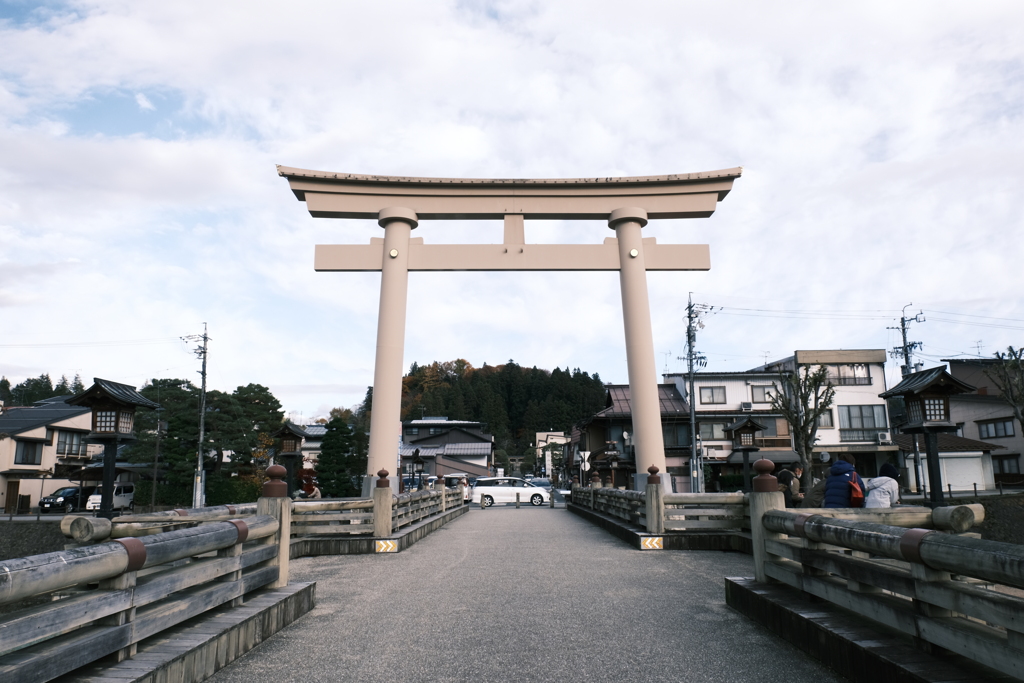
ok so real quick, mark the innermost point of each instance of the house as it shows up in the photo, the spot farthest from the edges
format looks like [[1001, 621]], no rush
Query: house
[[965, 463], [603, 441], [42, 449], [984, 415], [858, 421], [446, 446], [542, 444], [722, 398]]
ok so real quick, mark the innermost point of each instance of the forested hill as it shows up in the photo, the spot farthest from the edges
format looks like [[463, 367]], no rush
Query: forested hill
[[514, 401]]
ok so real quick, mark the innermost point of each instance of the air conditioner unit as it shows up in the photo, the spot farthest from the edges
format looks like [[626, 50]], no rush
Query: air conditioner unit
[[746, 407], [884, 438]]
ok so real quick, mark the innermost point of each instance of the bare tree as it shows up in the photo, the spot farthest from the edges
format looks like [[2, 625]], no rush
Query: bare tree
[[804, 396], [1008, 376]]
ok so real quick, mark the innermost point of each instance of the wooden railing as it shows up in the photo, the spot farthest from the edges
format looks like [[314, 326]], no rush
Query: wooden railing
[[351, 516], [657, 512], [953, 591], [68, 608]]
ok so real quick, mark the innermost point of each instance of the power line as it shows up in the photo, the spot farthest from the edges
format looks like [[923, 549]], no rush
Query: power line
[[118, 342]]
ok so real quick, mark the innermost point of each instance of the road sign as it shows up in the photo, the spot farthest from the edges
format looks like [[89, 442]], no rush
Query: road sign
[[392, 547], [648, 543]]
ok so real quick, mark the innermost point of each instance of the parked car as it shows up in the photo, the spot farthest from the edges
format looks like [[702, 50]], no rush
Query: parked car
[[124, 497], [490, 490], [544, 483], [67, 500]]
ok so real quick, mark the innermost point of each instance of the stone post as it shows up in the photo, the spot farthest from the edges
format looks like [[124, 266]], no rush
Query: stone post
[[765, 496], [382, 500], [636, 318], [439, 487], [276, 503], [655, 511], [386, 418], [517, 500]]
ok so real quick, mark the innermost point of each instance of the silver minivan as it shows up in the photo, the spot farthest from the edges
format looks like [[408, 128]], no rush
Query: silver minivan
[[124, 497]]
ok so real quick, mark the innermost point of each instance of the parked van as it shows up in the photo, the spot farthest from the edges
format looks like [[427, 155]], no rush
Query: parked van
[[124, 497]]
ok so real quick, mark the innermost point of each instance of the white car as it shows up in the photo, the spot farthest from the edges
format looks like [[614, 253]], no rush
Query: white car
[[490, 490], [124, 497]]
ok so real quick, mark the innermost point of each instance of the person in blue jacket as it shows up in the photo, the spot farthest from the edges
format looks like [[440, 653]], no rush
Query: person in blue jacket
[[837, 488]]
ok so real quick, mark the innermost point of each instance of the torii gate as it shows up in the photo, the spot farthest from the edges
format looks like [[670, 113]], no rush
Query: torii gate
[[400, 203]]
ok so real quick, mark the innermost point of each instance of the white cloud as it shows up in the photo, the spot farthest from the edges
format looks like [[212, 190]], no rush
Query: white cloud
[[881, 143]]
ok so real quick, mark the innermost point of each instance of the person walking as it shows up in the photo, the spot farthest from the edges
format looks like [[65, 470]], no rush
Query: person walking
[[837, 487], [883, 491]]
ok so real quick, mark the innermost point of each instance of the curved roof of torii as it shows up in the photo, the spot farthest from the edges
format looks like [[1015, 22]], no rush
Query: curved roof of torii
[[349, 195]]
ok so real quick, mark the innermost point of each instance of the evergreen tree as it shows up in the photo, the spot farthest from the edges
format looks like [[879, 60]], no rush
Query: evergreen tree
[[5, 391], [339, 463]]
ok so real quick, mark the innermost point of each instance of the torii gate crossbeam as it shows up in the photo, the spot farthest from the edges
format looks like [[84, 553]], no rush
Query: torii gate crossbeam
[[399, 204]]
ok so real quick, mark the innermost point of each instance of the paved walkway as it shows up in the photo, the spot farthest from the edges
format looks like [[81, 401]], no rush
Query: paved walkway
[[524, 595]]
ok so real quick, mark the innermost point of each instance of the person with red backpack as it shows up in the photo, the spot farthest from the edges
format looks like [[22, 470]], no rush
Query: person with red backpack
[[844, 484]]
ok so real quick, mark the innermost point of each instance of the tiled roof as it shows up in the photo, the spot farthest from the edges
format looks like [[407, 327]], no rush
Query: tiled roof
[[447, 450], [315, 431], [20, 420], [916, 382], [948, 443], [125, 393]]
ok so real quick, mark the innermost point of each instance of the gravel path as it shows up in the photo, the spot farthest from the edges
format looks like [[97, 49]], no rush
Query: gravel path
[[524, 595]]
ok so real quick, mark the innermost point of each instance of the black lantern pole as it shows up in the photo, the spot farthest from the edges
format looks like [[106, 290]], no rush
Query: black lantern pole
[[113, 422], [742, 434], [925, 396]]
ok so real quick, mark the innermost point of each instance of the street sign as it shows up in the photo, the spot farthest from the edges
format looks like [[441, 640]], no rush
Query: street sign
[[386, 547], [649, 543]]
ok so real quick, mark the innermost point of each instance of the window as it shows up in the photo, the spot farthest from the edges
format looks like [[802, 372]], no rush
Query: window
[[712, 394], [855, 374], [289, 446], [934, 410], [676, 434], [28, 453], [862, 417], [761, 394], [781, 427], [105, 420], [435, 430], [712, 431], [995, 429], [124, 423], [1007, 464], [70, 443], [825, 420], [412, 431]]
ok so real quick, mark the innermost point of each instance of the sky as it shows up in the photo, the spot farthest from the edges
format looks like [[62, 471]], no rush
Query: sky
[[882, 148]]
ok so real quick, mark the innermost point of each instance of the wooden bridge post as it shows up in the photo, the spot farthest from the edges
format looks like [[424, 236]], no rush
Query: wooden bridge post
[[765, 496], [655, 511], [382, 506], [126, 581], [276, 503]]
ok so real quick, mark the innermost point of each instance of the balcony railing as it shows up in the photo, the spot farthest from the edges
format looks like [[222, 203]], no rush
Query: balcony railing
[[850, 381], [861, 434], [774, 442]]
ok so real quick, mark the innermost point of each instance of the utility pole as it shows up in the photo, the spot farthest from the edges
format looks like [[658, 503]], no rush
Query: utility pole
[[693, 359], [907, 351], [199, 483]]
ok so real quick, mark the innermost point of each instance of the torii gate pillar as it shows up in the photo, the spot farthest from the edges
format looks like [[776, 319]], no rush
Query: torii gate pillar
[[399, 204], [636, 320]]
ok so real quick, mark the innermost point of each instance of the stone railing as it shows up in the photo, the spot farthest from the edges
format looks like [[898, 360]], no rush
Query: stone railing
[[63, 610], [953, 591]]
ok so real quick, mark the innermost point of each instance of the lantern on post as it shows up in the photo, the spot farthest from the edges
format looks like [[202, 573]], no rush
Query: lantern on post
[[113, 408], [742, 434], [925, 396]]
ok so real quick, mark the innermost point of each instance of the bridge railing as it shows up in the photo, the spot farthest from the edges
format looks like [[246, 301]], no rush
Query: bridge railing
[[351, 516], [658, 512], [953, 591], [65, 609], [408, 508]]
